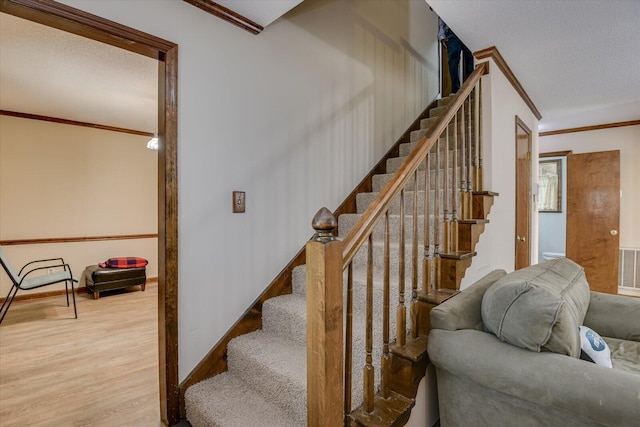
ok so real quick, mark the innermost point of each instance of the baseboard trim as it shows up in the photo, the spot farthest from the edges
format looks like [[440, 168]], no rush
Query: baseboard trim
[[215, 362], [40, 295]]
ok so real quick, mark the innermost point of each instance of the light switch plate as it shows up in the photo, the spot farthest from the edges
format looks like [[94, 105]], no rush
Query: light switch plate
[[238, 202]]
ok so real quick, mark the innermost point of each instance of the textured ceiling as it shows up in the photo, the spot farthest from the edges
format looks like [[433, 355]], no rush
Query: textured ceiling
[[577, 59], [53, 73], [262, 12]]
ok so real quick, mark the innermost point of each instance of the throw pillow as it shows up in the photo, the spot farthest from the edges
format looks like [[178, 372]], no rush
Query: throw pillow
[[124, 262], [540, 307], [594, 347]]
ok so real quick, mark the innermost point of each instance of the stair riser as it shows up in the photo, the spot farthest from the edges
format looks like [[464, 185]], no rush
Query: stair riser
[[288, 319], [445, 101], [435, 112]]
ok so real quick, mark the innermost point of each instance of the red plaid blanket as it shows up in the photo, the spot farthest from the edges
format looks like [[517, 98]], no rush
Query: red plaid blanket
[[124, 262]]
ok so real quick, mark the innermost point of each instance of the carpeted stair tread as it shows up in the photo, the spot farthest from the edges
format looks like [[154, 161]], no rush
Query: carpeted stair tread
[[380, 180], [394, 163], [363, 200], [286, 316], [347, 221], [226, 401], [274, 366]]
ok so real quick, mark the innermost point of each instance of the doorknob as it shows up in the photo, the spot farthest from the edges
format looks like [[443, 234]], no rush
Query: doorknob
[[614, 232], [521, 239]]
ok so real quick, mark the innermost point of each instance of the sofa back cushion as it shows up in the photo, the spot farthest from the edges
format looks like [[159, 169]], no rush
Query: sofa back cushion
[[539, 307], [463, 310]]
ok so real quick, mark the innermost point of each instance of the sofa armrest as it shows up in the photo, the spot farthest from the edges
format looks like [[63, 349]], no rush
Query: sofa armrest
[[614, 316], [567, 384]]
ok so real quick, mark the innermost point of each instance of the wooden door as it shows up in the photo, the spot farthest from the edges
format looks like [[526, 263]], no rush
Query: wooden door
[[523, 195], [593, 216]]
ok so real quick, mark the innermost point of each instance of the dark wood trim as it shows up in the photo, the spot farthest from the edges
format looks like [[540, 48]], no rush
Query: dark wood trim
[[227, 15], [75, 239], [493, 53], [588, 128], [215, 361], [40, 295], [168, 237], [555, 154], [66, 18], [73, 122]]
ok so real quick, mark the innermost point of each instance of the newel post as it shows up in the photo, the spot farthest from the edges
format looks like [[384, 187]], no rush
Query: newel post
[[325, 382]]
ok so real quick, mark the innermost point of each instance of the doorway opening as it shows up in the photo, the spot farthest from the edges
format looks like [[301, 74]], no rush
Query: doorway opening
[[72, 20]]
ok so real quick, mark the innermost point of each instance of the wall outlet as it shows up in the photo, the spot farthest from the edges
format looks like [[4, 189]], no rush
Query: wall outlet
[[238, 202]]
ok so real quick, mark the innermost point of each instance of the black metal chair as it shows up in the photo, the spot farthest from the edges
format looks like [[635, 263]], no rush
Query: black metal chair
[[22, 282]]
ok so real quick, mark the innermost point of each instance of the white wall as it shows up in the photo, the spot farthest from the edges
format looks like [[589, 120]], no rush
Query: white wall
[[627, 140], [59, 180], [294, 116], [500, 104]]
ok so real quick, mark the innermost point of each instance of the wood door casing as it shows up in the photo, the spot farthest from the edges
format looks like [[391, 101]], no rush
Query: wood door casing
[[523, 195], [593, 216]]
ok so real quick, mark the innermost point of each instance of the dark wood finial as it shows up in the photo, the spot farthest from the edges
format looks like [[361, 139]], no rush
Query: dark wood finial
[[324, 223]]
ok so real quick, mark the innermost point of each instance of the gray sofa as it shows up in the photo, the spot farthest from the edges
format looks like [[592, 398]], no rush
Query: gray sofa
[[484, 380]]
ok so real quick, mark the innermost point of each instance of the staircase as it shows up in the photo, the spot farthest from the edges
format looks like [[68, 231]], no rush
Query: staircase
[[266, 381]]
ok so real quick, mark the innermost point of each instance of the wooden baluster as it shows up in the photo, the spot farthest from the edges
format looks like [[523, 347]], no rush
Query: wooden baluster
[[436, 218], [478, 147], [446, 229], [464, 208], [453, 227], [413, 310], [385, 361], [325, 363], [348, 347], [471, 166], [368, 372], [480, 175], [428, 247], [401, 312]]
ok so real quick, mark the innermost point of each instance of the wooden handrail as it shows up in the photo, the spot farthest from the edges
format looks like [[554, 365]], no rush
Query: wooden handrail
[[327, 258], [356, 237]]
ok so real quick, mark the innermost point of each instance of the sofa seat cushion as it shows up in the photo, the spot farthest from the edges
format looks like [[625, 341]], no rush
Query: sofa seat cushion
[[625, 355], [540, 307]]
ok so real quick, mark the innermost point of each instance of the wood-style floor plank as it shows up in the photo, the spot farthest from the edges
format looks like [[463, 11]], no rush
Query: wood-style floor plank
[[98, 370]]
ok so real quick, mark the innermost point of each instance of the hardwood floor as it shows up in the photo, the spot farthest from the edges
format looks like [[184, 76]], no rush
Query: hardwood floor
[[98, 370]]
